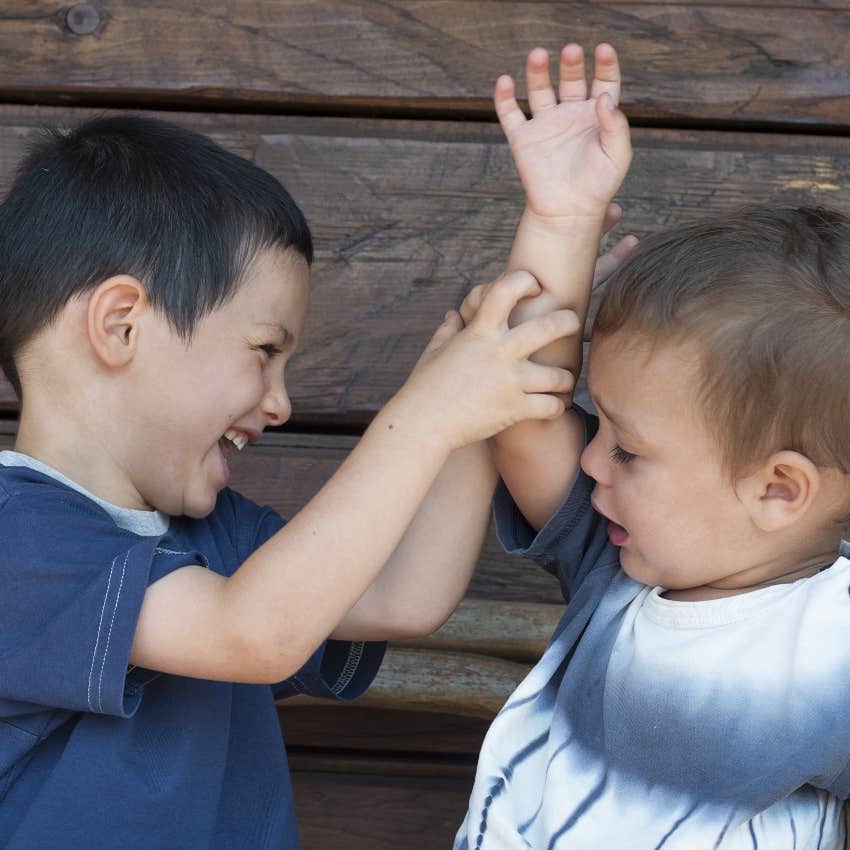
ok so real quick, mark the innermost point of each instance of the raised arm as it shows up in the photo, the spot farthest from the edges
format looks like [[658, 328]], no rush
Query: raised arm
[[571, 156]]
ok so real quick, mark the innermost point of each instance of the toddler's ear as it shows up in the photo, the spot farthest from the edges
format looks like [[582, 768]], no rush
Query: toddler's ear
[[781, 491], [113, 313]]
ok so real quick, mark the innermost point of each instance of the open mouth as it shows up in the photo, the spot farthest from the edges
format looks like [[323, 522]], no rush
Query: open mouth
[[233, 440], [616, 533]]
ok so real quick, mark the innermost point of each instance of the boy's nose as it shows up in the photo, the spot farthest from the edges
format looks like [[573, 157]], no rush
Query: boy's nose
[[276, 406]]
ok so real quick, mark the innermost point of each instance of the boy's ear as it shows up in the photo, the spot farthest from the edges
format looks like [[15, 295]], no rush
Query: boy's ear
[[114, 310], [781, 490]]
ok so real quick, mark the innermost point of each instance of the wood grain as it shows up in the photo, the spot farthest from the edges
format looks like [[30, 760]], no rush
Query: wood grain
[[735, 62]]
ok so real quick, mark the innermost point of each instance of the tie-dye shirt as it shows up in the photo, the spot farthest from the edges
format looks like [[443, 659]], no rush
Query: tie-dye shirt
[[653, 724]]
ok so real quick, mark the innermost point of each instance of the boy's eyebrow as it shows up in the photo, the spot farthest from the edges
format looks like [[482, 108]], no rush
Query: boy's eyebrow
[[281, 329]]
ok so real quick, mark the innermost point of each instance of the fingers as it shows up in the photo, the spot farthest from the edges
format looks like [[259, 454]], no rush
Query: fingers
[[541, 95], [606, 73], [472, 302], [613, 130], [451, 324], [502, 296], [572, 77], [546, 379], [613, 214], [613, 258], [542, 406], [507, 109], [536, 333]]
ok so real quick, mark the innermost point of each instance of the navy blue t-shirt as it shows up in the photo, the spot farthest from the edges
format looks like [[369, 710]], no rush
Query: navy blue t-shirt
[[96, 754]]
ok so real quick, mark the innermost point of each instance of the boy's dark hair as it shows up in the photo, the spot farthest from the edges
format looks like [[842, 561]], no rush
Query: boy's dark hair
[[764, 296], [134, 195]]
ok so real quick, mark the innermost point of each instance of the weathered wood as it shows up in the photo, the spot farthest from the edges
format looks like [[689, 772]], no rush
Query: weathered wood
[[380, 812], [456, 683], [408, 215], [371, 764], [354, 728], [694, 61], [518, 632]]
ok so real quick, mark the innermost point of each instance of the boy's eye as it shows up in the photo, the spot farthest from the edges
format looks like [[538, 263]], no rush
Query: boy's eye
[[620, 455]]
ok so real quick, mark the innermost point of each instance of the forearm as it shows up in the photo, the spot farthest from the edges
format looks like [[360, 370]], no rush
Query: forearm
[[294, 590], [428, 573], [538, 460], [561, 253]]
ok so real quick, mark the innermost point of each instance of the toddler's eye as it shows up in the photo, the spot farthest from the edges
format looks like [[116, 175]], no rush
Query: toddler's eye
[[620, 455], [269, 349]]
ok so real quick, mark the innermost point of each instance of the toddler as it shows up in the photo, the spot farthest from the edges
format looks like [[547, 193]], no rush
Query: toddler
[[693, 695]]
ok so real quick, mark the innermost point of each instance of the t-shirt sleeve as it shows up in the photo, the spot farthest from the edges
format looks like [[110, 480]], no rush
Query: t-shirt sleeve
[[338, 669], [73, 585], [573, 541]]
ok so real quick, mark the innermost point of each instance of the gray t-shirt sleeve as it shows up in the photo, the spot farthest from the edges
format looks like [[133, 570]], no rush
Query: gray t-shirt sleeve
[[575, 539]]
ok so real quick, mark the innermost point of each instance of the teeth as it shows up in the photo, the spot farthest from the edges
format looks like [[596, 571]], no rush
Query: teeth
[[236, 438]]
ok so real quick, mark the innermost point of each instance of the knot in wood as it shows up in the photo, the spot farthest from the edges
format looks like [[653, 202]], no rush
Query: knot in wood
[[82, 19]]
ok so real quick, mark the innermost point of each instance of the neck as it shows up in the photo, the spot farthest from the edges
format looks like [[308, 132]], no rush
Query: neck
[[719, 590], [75, 449]]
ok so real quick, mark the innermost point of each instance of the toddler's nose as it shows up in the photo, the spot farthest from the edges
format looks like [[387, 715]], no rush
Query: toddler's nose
[[592, 462]]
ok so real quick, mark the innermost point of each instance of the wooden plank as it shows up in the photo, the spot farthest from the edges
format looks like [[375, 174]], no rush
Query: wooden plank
[[354, 728], [457, 683], [751, 62], [357, 812], [408, 215]]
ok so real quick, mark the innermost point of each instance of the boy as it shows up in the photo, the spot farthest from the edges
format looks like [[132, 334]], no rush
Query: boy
[[694, 695], [152, 289]]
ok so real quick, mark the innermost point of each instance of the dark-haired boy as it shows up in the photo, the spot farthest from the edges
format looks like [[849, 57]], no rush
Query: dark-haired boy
[[152, 289], [695, 694]]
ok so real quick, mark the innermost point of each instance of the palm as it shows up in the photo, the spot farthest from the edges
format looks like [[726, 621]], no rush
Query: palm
[[561, 161], [571, 155]]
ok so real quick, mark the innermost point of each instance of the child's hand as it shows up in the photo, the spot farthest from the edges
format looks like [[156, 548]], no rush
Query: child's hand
[[472, 383], [571, 156], [606, 264]]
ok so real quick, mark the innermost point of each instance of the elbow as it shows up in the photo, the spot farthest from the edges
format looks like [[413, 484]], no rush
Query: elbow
[[421, 623], [269, 656]]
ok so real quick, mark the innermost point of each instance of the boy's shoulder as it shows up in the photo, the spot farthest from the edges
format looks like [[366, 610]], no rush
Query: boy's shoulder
[[26, 491]]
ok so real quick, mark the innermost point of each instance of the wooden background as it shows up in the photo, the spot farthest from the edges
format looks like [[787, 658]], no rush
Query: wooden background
[[377, 117]]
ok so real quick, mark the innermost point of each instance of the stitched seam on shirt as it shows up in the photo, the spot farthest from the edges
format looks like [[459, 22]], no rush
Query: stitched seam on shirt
[[355, 653], [99, 627], [162, 551], [109, 635], [20, 728]]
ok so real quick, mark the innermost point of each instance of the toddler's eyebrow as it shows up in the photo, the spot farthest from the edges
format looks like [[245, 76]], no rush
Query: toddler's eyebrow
[[618, 422]]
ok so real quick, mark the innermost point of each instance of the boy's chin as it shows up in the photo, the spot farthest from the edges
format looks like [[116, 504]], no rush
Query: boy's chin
[[199, 508]]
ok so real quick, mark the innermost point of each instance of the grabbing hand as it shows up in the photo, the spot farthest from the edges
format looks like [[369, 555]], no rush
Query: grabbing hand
[[472, 383], [571, 155], [606, 264]]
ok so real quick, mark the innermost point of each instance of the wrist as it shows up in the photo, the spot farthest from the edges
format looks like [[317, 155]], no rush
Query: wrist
[[405, 419], [588, 221]]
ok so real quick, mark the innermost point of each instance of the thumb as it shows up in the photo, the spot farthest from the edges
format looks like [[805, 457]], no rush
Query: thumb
[[451, 325], [613, 131]]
